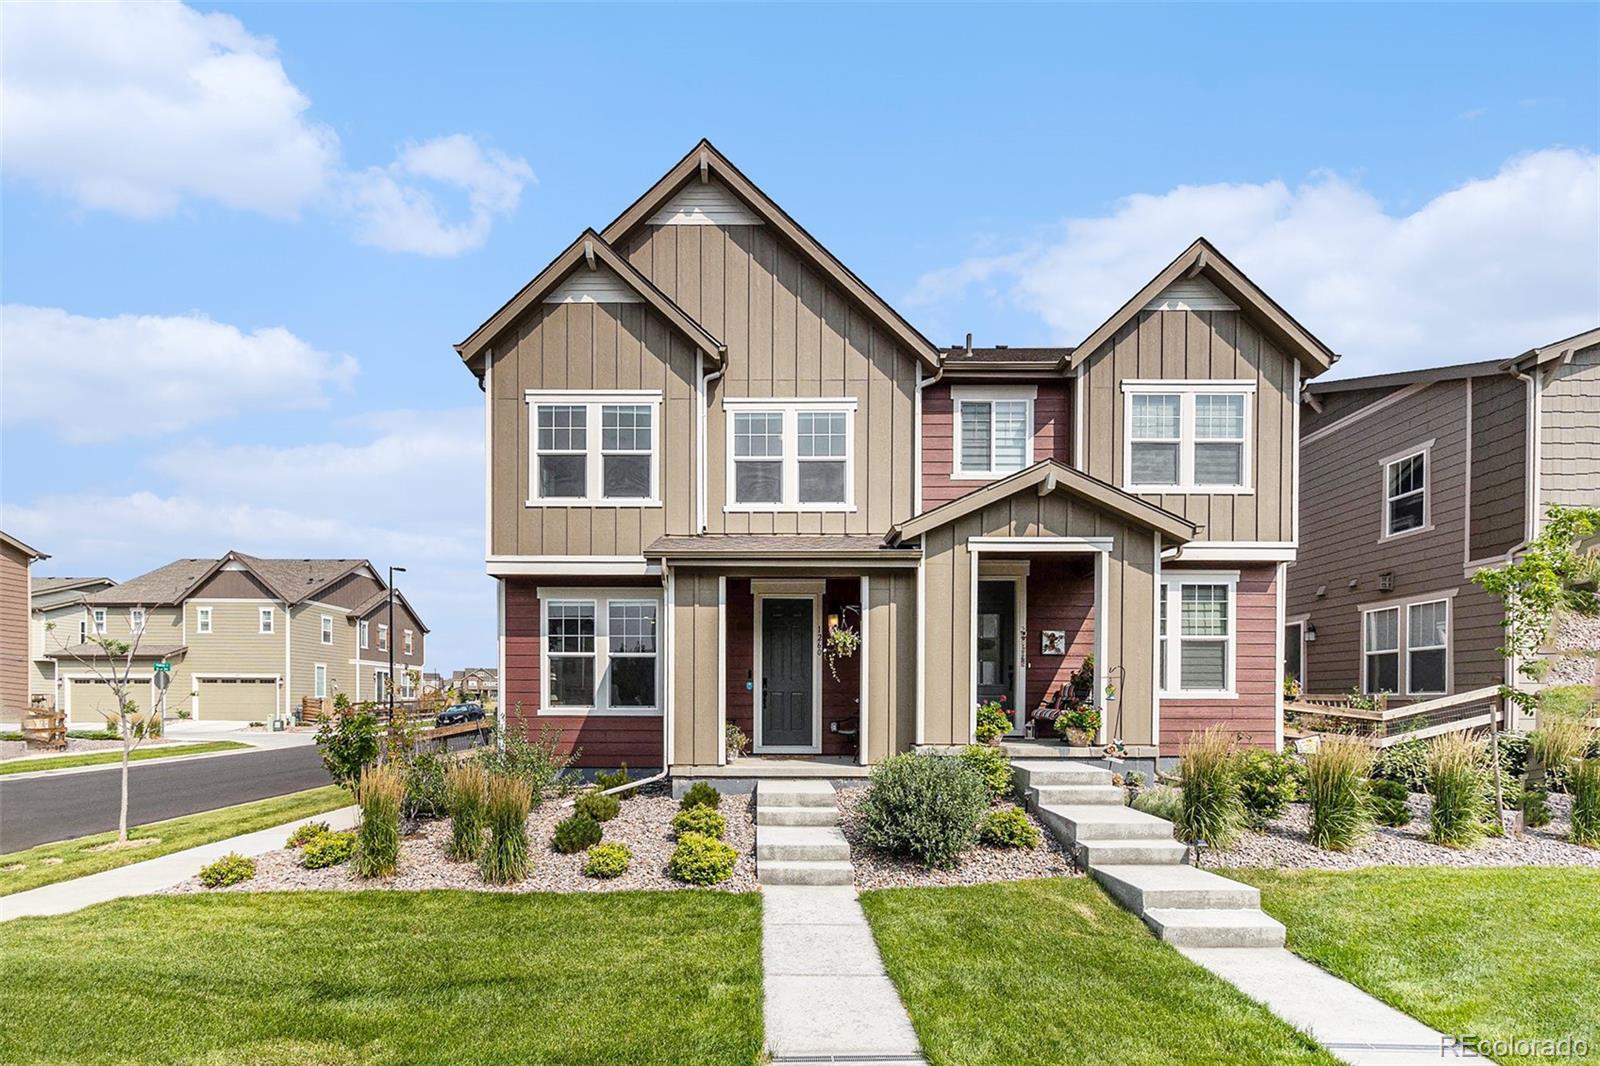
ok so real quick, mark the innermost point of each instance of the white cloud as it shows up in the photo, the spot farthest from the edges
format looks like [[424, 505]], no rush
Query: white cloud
[[138, 108], [94, 380], [394, 212], [1487, 269]]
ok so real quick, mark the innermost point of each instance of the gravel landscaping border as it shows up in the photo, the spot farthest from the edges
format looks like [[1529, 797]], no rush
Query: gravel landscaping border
[[981, 865], [1285, 845], [644, 824]]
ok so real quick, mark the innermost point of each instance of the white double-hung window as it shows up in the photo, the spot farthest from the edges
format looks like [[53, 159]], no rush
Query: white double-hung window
[[1405, 492], [1187, 436], [601, 651], [791, 455], [1197, 634], [202, 619], [994, 430], [594, 448], [1405, 646]]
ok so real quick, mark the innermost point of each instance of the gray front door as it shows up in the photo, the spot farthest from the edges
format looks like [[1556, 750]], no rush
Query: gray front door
[[786, 674]]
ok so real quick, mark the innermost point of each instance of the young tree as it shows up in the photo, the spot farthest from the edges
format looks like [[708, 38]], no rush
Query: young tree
[[113, 667]]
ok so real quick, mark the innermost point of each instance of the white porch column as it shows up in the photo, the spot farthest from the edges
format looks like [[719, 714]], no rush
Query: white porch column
[[722, 670], [866, 659]]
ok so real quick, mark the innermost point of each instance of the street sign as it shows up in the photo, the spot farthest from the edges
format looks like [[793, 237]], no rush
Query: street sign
[[161, 679], [163, 667]]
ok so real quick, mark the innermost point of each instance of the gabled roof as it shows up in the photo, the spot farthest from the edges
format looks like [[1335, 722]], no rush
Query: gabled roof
[[43, 586], [704, 160], [381, 597], [163, 585], [586, 252], [1202, 259], [1561, 349], [290, 580], [34, 554], [1426, 375], [1047, 476]]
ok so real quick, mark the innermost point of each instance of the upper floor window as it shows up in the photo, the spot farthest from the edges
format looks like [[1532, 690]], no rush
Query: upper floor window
[[994, 428], [136, 620], [408, 644], [83, 631], [99, 621], [327, 629], [1195, 634], [383, 637], [1405, 492], [594, 448], [363, 633], [790, 455], [1187, 436], [202, 620], [266, 619]]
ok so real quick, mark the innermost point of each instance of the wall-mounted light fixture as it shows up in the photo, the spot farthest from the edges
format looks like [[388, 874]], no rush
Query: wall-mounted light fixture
[[1311, 632]]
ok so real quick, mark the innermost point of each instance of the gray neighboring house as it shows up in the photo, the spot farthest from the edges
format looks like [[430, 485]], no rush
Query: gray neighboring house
[[476, 683], [1412, 482]]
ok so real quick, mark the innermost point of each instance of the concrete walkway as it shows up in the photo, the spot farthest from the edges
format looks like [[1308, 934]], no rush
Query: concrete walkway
[[155, 875], [1352, 1025]]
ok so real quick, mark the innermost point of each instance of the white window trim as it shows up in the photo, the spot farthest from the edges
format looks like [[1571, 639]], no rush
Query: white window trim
[[790, 408], [1425, 449], [1404, 605], [137, 620], [319, 681], [83, 631], [601, 600], [1172, 588], [1187, 390], [266, 620], [1298, 624], [1399, 650], [1449, 611], [962, 394], [406, 642], [383, 636], [364, 632], [202, 620], [594, 400], [325, 629], [99, 621]]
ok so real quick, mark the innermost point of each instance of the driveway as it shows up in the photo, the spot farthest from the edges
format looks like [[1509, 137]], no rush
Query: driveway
[[77, 803]]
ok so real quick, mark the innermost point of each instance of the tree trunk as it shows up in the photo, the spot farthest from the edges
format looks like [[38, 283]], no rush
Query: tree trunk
[[127, 749]]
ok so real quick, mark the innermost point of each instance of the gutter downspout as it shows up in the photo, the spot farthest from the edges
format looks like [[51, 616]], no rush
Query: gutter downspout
[[701, 467]]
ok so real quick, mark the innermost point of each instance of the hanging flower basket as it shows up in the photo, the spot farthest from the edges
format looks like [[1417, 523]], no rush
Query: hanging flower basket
[[840, 642]]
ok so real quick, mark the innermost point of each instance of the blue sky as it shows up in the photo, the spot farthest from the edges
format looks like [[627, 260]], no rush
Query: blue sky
[[286, 215]]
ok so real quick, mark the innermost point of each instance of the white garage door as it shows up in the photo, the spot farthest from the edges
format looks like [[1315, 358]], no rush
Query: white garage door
[[238, 699], [91, 702]]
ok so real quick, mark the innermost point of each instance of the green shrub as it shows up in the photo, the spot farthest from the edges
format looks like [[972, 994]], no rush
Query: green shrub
[[700, 794], [1586, 803], [348, 741], [993, 767], [505, 854], [993, 721], [1336, 787], [541, 763], [1455, 782], [1553, 748], [605, 782], [598, 805], [1389, 803], [306, 833], [1162, 801], [1535, 808], [425, 772], [1211, 810], [381, 792], [925, 806], [231, 869], [703, 820], [1009, 827], [464, 796], [1268, 782], [1513, 754], [702, 860], [576, 834], [330, 849], [1406, 763], [607, 860]]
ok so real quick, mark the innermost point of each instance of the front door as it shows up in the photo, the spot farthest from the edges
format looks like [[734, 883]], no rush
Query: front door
[[997, 645], [787, 674]]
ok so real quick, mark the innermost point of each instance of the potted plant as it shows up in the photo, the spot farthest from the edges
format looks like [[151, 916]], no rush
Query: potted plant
[[993, 721], [1080, 685], [840, 642], [1078, 724]]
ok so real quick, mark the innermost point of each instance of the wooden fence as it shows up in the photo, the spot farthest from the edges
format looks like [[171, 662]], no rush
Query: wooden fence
[[1385, 726]]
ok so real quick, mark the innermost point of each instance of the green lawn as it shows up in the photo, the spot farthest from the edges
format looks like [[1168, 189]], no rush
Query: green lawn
[[1572, 701], [1054, 971], [1499, 953], [101, 758], [388, 977], [77, 858]]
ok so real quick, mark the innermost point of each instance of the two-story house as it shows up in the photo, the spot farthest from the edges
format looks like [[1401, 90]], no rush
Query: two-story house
[[1414, 480], [712, 449], [15, 560], [57, 611], [247, 638]]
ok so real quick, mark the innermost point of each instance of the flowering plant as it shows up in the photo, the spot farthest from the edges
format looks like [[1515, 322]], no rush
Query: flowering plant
[[993, 721]]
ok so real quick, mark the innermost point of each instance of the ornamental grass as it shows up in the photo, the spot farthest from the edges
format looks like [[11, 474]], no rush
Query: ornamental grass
[[1337, 790]]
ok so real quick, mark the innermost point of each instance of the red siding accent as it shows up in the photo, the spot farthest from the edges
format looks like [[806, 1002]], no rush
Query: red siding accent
[[602, 740], [1254, 714], [1052, 435], [1060, 596]]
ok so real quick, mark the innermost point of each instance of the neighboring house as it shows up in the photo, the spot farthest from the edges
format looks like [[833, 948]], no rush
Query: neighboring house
[[476, 683], [247, 638], [710, 444], [58, 619], [1415, 480], [15, 605]]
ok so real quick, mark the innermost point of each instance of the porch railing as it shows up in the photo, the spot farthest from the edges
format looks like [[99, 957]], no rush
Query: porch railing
[[1385, 726]]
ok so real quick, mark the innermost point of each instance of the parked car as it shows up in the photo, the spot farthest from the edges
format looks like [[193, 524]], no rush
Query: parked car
[[458, 713]]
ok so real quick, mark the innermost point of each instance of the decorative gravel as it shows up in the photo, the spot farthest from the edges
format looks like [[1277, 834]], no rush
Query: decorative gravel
[[1286, 845], [644, 824], [983, 864]]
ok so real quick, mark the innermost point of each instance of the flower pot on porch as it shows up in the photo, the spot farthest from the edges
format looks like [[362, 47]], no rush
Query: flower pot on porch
[[1076, 738]]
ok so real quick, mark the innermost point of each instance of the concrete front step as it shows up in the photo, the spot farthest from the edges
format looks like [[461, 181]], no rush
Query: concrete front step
[[1207, 928], [767, 814], [778, 872], [1073, 822], [1092, 853], [1079, 795], [1031, 773], [1144, 887], [783, 793], [800, 844]]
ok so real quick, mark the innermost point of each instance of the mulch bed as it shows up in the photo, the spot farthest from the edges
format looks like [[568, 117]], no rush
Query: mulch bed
[[643, 825], [981, 865]]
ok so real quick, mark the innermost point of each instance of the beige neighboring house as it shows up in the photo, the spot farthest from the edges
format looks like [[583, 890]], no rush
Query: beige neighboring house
[[476, 683], [57, 617], [247, 638], [15, 559]]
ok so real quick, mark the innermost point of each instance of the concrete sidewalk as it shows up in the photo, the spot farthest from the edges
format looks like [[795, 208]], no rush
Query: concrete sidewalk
[[155, 875]]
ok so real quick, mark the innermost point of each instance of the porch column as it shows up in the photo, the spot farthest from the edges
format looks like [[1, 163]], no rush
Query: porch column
[[1102, 668], [722, 670], [862, 730]]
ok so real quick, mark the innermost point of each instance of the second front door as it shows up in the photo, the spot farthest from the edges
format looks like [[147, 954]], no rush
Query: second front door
[[787, 674]]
